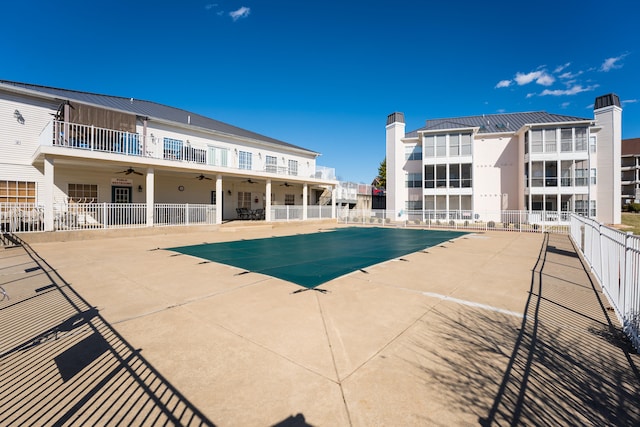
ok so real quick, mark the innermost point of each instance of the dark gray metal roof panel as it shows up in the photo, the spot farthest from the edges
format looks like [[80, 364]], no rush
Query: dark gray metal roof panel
[[496, 123], [151, 110]]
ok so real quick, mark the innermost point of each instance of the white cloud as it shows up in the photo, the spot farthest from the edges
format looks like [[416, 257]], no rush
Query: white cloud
[[529, 95], [545, 80], [211, 6], [243, 12], [503, 83], [629, 101], [569, 75], [541, 77], [576, 89], [565, 104], [559, 68], [612, 63]]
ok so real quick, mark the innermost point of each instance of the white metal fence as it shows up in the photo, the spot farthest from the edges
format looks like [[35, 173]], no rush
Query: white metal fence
[[520, 221], [16, 217], [24, 217], [614, 258]]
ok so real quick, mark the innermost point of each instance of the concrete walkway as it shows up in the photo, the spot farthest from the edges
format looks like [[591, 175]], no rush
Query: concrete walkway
[[490, 329]]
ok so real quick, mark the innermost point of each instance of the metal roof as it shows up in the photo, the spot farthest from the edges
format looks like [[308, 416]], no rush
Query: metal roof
[[496, 123], [149, 109]]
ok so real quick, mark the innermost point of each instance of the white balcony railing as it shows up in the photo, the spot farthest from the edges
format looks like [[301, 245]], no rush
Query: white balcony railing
[[92, 138]]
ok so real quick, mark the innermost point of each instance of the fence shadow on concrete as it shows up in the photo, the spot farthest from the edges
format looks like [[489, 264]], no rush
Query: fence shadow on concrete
[[63, 364], [564, 363]]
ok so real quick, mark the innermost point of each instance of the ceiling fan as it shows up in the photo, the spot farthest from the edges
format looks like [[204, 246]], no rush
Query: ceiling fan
[[130, 171], [201, 177], [250, 181], [286, 184]]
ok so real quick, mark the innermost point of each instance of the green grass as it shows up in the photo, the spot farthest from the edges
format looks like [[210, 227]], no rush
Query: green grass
[[631, 220]]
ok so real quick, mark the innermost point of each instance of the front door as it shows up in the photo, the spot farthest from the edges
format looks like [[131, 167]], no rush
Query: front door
[[120, 194]]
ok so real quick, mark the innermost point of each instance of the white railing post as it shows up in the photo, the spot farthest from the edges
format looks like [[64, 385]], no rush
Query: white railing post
[[186, 214], [92, 137], [104, 215]]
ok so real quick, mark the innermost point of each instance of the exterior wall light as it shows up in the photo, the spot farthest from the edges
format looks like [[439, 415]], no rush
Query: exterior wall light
[[139, 188], [18, 117]]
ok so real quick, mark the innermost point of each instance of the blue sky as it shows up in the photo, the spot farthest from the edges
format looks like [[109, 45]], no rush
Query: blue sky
[[325, 74]]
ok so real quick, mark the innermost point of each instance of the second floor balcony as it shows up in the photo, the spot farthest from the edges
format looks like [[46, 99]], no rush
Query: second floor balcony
[[95, 139]]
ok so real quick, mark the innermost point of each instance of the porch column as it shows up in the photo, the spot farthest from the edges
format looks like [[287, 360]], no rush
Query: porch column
[[333, 202], [150, 196], [267, 196], [219, 197], [304, 201], [144, 136], [48, 193]]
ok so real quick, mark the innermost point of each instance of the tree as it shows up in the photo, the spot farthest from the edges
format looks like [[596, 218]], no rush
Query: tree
[[382, 174]]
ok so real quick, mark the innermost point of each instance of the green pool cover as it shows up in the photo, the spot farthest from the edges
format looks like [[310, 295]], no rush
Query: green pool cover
[[310, 260]]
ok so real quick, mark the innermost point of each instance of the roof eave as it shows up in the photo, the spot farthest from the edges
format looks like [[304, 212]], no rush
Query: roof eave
[[44, 95]]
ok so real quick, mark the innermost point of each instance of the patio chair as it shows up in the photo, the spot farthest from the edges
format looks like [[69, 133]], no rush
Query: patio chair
[[258, 214], [243, 213]]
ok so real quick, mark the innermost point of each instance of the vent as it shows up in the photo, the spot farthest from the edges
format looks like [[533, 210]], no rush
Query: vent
[[606, 101]]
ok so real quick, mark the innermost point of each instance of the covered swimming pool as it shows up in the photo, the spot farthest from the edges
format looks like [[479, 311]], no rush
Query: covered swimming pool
[[310, 260]]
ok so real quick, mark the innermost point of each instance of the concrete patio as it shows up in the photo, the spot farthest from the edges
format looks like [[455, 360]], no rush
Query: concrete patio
[[492, 328]]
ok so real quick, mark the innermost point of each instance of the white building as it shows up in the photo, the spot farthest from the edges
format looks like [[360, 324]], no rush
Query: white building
[[61, 148], [480, 166], [630, 171]]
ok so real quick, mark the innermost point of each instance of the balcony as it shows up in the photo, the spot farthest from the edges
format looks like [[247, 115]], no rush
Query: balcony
[[94, 139]]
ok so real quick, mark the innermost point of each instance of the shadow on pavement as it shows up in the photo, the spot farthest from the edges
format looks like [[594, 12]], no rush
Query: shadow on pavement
[[63, 364], [570, 364]]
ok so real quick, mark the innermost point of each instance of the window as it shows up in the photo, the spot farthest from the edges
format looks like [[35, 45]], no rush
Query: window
[[566, 140], [454, 145], [413, 152], [592, 143], [429, 176], [413, 205], [536, 141], [429, 146], [550, 145], [173, 148], [289, 199], [526, 143], [465, 144], [441, 145], [581, 139], [293, 167], [214, 198], [551, 174], [83, 193], [565, 173], [581, 173], [244, 160], [466, 175], [218, 156], [271, 164], [413, 180], [454, 176], [441, 176], [581, 205], [244, 199], [17, 192], [537, 174], [593, 176]]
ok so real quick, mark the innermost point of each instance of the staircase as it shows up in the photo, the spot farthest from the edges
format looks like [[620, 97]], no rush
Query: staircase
[[325, 197]]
